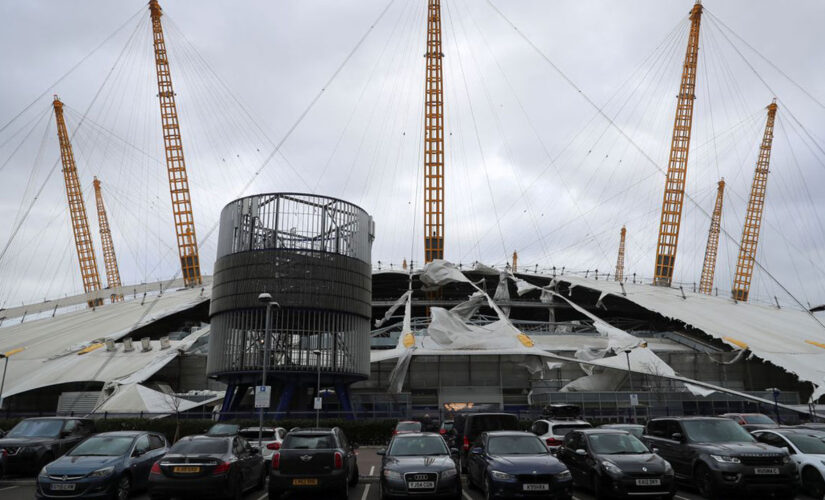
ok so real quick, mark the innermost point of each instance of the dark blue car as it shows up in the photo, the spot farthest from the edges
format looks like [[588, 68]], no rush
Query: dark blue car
[[107, 465], [512, 464]]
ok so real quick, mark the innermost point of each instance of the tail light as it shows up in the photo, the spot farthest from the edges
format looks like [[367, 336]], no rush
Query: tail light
[[741, 422], [394, 432], [276, 461], [442, 431], [274, 446], [221, 468], [155, 468], [466, 443], [339, 460], [553, 442]]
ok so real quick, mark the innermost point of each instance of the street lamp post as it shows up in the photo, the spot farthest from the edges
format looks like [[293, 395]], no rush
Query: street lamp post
[[630, 378], [776, 393], [317, 353], [266, 299], [3, 382]]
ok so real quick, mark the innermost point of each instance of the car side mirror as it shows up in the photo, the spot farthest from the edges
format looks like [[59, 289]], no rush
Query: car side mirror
[[581, 452], [476, 451], [655, 450], [382, 451], [677, 436]]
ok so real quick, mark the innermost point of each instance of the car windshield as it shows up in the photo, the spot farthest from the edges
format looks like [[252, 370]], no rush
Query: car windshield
[[103, 446], [562, 430], [716, 431], [308, 442], [758, 419], [636, 430], [813, 443], [417, 446], [200, 447], [616, 444], [250, 434], [223, 429], [516, 445], [36, 428], [408, 426]]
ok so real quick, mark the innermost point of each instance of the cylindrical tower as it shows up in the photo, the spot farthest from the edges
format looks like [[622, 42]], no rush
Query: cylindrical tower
[[312, 254]]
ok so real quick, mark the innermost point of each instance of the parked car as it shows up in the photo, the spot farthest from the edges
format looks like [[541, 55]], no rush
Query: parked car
[[720, 457], [34, 442], [615, 463], [751, 421], [207, 467], [517, 464], [314, 460], [817, 426], [552, 432], [447, 431], [807, 450], [406, 426], [419, 464], [469, 427], [273, 438], [224, 430], [637, 430], [111, 464]]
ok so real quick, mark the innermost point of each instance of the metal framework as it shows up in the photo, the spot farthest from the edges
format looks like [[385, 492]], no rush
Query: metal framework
[[434, 139], [712, 248], [620, 258], [674, 194], [175, 164], [77, 209], [109, 256], [756, 207]]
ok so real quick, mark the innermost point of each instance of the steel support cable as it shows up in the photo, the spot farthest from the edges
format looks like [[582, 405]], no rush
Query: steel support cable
[[501, 131], [554, 160], [57, 161], [644, 154], [71, 70]]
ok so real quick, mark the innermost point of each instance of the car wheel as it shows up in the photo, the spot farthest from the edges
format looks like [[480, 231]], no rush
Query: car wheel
[[354, 479], [237, 489], [813, 483], [705, 482], [123, 488], [598, 490]]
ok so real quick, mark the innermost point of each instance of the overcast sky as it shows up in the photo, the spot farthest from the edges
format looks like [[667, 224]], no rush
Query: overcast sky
[[530, 166]]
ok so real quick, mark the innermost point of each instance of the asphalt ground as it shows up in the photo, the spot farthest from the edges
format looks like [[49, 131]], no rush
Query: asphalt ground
[[369, 463]]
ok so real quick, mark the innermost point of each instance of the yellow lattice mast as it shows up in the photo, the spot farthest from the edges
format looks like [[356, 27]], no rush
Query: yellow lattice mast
[[753, 218], [109, 256], [620, 258], [434, 139], [712, 248], [175, 164], [674, 194], [515, 261], [77, 209]]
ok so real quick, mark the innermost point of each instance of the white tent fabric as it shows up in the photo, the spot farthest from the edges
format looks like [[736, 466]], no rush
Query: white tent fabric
[[136, 398], [785, 337]]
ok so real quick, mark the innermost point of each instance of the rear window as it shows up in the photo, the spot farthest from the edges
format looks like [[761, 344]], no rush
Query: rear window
[[447, 426], [563, 429], [308, 442], [200, 446], [758, 419], [408, 426], [266, 434], [476, 424]]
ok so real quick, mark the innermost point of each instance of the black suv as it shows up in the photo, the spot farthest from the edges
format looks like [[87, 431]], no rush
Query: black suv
[[720, 457], [34, 442]]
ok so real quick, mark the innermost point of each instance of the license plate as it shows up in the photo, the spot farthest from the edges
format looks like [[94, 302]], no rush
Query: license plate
[[536, 487], [63, 487], [305, 482], [185, 470], [421, 485], [648, 482], [766, 470]]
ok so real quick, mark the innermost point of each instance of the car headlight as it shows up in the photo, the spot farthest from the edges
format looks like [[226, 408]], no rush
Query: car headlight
[[446, 474], [564, 476], [102, 472], [502, 476], [44, 471], [392, 474], [612, 469], [725, 459], [668, 469]]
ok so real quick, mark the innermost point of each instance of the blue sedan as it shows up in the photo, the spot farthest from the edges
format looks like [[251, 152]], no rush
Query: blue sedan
[[510, 464], [107, 465]]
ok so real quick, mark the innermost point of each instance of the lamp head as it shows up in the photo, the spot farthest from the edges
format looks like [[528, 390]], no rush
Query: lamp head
[[264, 298], [316, 352]]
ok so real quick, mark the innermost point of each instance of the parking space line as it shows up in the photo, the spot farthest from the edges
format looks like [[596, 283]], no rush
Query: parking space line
[[372, 469], [8, 488], [366, 492], [466, 495], [681, 498], [265, 495]]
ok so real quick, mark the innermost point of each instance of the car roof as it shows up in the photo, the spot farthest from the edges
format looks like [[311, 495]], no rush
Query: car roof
[[408, 422], [58, 418], [311, 430], [124, 433], [619, 426], [200, 437], [601, 430], [509, 433], [408, 435], [556, 421], [791, 430], [687, 418]]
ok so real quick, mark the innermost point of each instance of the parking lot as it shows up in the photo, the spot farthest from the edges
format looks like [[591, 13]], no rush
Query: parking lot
[[368, 463]]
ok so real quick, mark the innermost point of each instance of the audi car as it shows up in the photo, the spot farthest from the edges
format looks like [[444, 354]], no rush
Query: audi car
[[419, 464]]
